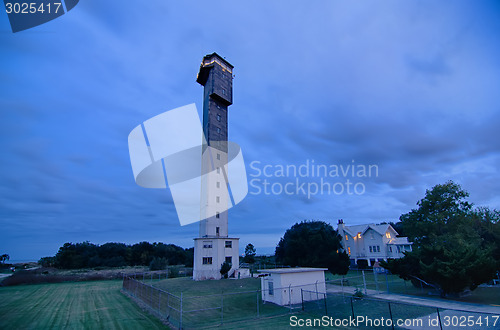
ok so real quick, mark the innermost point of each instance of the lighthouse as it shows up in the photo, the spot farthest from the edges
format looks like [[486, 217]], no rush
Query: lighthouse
[[213, 247]]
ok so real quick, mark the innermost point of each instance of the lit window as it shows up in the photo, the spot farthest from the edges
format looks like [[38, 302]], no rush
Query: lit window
[[388, 235], [229, 244], [207, 244], [359, 235], [346, 237], [349, 250], [207, 260]]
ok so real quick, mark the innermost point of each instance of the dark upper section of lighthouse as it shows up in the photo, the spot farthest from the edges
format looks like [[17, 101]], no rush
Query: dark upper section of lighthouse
[[216, 75]]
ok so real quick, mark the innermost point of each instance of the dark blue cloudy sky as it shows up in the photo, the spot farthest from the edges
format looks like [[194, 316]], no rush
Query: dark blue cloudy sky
[[409, 86]]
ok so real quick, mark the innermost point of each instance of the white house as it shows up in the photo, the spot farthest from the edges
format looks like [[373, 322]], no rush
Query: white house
[[372, 242], [282, 286]]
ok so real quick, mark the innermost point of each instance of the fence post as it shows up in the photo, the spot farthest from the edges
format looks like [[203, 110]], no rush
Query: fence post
[[258, 312], [222, 308], [180, 321], [290, 297], [352, 309], [439, 318], [342, 286], [302, 297], [364, 280], [375, 276], [326, 311], [390, 313], [159, 302]]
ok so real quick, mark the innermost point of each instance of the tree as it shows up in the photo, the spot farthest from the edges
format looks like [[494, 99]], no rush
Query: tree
[[225, 268], [249, 254], [4, 257], [453, 243], [441, 210], [313, 244], [47, 261]]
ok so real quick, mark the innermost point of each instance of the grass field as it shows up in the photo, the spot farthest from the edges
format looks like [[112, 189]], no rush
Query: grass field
[[101, 305], [75, 305]]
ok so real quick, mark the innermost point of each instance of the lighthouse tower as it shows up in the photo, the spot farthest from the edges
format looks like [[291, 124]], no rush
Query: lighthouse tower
[[214, 246]]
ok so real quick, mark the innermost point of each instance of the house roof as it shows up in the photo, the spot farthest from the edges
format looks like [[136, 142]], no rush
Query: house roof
[[291, 270], [381, 229]]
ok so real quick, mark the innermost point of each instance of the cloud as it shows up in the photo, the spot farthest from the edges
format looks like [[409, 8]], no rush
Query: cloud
[[408, 86]]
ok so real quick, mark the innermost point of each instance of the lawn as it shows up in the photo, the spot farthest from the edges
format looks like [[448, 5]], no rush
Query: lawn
[[75, 305], [229, 300], [393, 283]]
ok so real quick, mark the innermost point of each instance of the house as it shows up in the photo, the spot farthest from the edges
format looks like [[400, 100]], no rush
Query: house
[[372, 242], [283, 286]]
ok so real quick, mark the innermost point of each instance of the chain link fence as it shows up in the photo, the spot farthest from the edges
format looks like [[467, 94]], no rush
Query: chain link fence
[[199, 311], [369, 281], [368, 313], [346, 304]]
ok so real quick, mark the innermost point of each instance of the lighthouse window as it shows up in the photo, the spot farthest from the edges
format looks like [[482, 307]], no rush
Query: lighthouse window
[[218, 129], [218, 117], [207, 260], [229, 244]]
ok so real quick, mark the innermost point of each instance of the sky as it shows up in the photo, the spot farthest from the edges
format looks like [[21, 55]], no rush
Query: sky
[[407, 87]]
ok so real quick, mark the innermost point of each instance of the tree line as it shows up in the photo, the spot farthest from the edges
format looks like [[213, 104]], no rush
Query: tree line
[[89, 255]]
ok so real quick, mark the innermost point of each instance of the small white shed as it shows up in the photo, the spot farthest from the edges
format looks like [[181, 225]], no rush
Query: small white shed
[[283, 286]]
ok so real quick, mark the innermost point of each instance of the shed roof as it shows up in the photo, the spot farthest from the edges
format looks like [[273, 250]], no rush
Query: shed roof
[[291, 270]]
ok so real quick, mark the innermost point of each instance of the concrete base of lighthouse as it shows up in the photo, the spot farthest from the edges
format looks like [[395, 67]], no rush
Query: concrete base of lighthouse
[[209, 255]]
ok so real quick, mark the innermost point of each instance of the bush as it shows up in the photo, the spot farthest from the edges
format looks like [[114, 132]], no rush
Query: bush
[[358, 294], [362, 264], [173, 272], [158, 263], [225, 268]]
